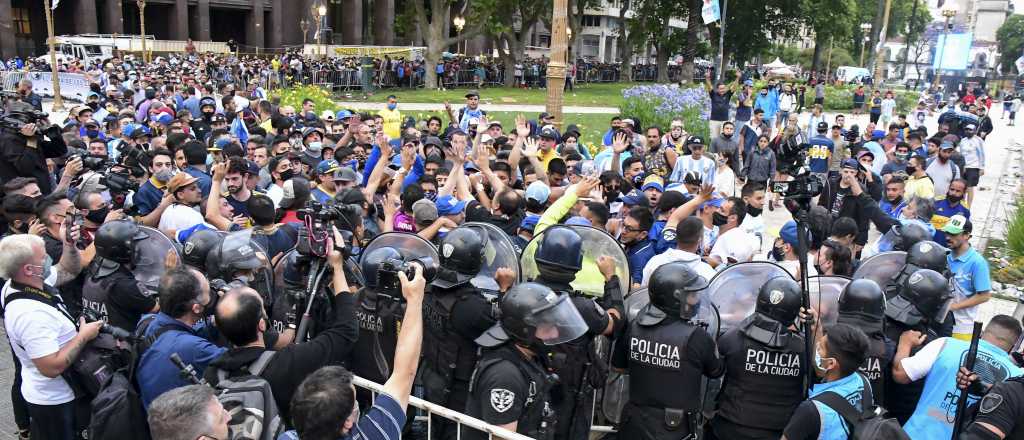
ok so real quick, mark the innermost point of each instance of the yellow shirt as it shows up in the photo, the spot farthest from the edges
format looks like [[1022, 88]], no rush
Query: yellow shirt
[[546, 157], [392, 122], [920, 186]]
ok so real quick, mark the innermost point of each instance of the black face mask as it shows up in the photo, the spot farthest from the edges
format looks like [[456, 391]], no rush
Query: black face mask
[[211, 307], [98, 215], [287, 174], [898, 200], [778, 253], [911, 170], [756, 212], [719, 219], [954, 199]]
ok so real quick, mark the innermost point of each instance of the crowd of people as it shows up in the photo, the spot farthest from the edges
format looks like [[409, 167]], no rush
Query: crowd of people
[[232, 245]]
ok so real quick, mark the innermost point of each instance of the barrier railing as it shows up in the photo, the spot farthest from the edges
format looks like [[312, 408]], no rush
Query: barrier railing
[[433, 409]]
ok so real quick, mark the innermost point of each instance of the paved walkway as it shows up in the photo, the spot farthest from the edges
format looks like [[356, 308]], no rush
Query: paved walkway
[[525, 108]]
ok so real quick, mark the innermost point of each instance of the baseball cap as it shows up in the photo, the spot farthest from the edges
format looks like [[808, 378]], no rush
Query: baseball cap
[[253, 168], [493, 123], [326, 166], [220, 144], [529, 222], [449, 205], [958, 224], [877, 134], [432, 140], [345, 174], [327, 115], [865, 153], [472, 93], [538, 191], [180, 181], [550, 133], [634, 198], [543, 115], [822, 126], [851, 163], [788, 233], [485, 138], [715, 202], [695, 140], [342, 114], [653, 182], [424, 211], [946, 145], [294, 188], [577, 220], [628, 121], [970, 127]]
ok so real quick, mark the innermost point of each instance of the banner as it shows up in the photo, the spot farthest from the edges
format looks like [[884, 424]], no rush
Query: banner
[[952, 51], [73, 86], [710, 12]]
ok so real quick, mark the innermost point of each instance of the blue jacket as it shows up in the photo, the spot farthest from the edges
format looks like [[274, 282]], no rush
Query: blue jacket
[[204, 182], [832, 425], [147, 198], [156, 373], [638, 254]]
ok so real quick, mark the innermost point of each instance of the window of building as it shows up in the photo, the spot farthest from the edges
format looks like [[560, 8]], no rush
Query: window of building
[[591, 21], [544, 40], [21, 21], [590, 45]]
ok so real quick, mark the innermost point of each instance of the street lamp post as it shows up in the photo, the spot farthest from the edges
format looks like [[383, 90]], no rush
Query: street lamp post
[[304, 25], [322, 11], [142, 26], [864, 29], [58, 101], [949, 13], [556, 65], [459, 22]]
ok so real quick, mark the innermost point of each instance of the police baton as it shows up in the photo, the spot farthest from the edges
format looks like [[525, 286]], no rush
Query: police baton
[[961, 401]]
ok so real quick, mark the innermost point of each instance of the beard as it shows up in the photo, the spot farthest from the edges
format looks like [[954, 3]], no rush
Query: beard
[[234, 189]]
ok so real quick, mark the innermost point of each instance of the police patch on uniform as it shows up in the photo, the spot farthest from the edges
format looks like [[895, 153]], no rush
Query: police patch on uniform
[[502, 399], [775, 296], [668, 234], [447, 250], [189, 247], [989, 403], [915, 278]]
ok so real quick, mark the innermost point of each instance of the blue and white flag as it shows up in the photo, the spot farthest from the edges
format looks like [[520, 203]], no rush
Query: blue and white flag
[[239, 130]]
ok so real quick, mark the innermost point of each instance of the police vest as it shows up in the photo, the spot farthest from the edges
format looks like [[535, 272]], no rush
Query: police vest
[[659, 376], [95, 293], [877, 360], [447, 356], [374, 352], [763, 386], [936, 409], [833, 427], [531, 422]]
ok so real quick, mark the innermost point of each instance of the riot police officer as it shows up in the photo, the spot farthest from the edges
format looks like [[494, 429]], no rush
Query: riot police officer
[[921, 255], [764, 366], [559, 258], [455, 313], [110, 291], [378, 314], [198, 246], [862, 305], [922, 301], [667, 354], [905, 235], [510, 386]]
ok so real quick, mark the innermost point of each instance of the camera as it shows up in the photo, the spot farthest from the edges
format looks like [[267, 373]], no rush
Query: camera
[[91, 162], [15, 120], [218, 285], [791, 158], [315, 240], [387, 274], [853, 134], [132, 155]]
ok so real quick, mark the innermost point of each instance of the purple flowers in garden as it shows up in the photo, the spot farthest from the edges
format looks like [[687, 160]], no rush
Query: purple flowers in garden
[[657, 104]]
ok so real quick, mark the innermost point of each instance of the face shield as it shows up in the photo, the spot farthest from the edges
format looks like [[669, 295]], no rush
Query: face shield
[[558, 322]]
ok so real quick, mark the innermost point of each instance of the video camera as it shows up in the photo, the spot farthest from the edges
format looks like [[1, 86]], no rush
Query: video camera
[[317, 239], [388, 283], [15, 120], [791, 159], [117, 332], [853, 134]]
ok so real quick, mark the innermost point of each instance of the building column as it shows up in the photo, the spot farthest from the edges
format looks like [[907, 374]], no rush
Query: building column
[[254, 34], [114, 17], [384, 22], [203, 11], [85, 17], [178, 21], [600, 47], [276, 24], [352, 22], [8, 47]]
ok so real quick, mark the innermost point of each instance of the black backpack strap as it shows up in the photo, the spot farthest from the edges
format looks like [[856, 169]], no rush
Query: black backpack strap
[[842, 406], [256, 368]]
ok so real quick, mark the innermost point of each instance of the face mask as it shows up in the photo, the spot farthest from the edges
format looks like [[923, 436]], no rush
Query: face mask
[[92, 133], [611, 194], [817, 268], [211, 307], [911, 170], [719, 219], [392, 106], [287, 174], [430, 195], [954, 199], [756, 212], [638, 180], [98, 215], [902, 157], [47, 267], [819, 362], [315, 145], [778, 253], [163, 176]]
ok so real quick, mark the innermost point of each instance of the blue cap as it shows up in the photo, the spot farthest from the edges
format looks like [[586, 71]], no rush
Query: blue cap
[[136, 130], [162, 118], [538, 191], [253, 168], [470, 166], [877, 134], [449, 205], [219, 144], [634, 198], [327, 166], [715, 202], [788, 233], [342, 114], [653, 184], [577, 220], [851, 164], [529, 222]]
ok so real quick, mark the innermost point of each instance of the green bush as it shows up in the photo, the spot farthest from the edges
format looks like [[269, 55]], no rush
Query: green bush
[[293, 96], [1015, 230], [658, 104]]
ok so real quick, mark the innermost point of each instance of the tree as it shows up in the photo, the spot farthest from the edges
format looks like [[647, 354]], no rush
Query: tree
[[1011, 42], [829, 19], [752, 27], [694, 23], [650, 27], [514, 21], [625, 48], [434, 25]]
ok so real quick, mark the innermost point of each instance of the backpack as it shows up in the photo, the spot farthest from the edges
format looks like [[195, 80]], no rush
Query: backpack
[[871, 424], [247, 397]]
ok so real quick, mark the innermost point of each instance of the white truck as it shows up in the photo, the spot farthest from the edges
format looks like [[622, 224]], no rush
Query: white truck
[[97, 47], [849, 74]]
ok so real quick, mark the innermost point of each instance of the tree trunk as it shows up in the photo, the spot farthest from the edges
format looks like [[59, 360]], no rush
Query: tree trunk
[[693, 23], [876, 29], [661, 61], [624, 48], [819, 46], [436, 44]]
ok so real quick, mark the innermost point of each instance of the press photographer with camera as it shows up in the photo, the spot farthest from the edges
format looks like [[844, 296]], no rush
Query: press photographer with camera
[[241, 319], [27, 139], [44, 337]]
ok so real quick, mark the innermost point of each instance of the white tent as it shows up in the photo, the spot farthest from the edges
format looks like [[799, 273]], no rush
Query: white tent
[[777, 64], [782, 71]]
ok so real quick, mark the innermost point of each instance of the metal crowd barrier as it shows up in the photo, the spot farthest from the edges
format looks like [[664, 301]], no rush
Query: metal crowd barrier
[[433, 409], [10, 79]]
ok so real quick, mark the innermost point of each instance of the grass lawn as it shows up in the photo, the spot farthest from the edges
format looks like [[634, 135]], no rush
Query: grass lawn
[[593, 94], [592, 126]]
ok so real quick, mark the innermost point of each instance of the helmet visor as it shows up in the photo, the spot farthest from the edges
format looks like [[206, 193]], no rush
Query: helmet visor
[[558, 323]]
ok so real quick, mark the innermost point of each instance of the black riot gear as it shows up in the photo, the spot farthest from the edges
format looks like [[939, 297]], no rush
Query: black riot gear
[[905, 235], [779, 299], [561, 248], [198, 246], [924, 297], [927, 255], [462, 255], [532, 314], [372, 261], [676, 288], [862, 303], [115, 240]]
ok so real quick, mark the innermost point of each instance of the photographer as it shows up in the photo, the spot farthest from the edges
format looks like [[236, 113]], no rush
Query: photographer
[[26, 141], [241, 319], [43, 337]]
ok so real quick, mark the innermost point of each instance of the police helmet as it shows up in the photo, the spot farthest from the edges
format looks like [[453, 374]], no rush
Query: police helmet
[[237, 254], [198, 246], [780, 299], [676, 287], [924, 296], [462, 255], [862, 298], [905, 235], [115, 240], [927, 255], [372, 261], [532, 314], [561, 247]]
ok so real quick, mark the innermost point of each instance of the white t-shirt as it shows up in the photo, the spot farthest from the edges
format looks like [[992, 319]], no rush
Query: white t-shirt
[[918, 365], [178, 217], [276, 193], [37, 330], [734, 244], [754, 225], [793, 267], [692, 260]]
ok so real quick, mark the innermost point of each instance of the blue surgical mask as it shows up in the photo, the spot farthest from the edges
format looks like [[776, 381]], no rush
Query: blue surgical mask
[[315, 145], [209, 159], [430, 195], [47, 267], [392, 106]]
